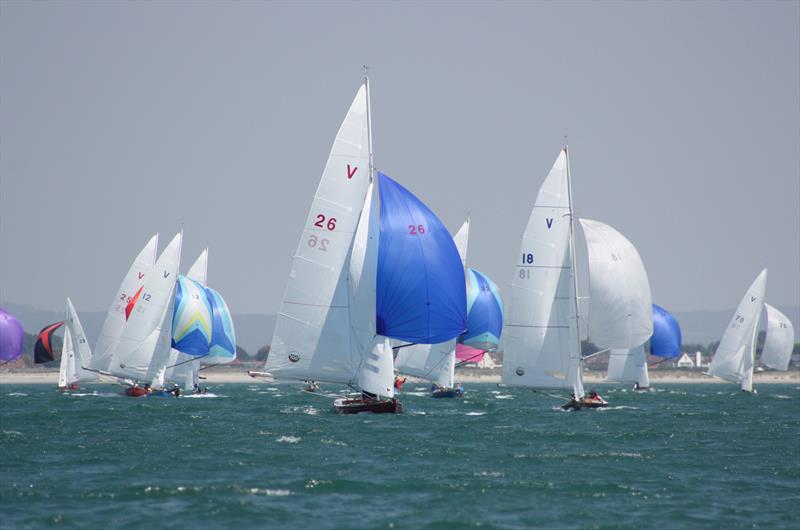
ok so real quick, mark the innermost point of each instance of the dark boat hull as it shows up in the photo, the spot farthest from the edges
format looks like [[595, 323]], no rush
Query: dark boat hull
[[447, 393], [584, 403], [358, 405]]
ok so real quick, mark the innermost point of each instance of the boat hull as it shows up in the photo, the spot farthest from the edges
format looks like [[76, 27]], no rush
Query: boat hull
[[376, 406], [447, 393], [585, 403], [135, 391]]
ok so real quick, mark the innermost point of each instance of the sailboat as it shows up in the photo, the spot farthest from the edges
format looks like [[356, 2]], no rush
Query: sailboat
[[435, 362], [349, 291], [630, 365], [543, 348], [735, 356], [116, 317], [143, 347], [75, 353]]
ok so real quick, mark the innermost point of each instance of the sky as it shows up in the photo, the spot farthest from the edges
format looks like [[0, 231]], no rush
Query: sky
[[119, 120]]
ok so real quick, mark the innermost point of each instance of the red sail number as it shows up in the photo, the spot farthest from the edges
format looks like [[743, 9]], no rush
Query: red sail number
[[330, 225], [416, 230]]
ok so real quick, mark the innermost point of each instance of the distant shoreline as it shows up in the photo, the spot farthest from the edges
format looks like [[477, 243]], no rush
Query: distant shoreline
[[229, 376]]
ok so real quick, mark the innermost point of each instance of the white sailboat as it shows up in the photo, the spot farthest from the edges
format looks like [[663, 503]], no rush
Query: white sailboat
[[75, 354], [543, 348], [779, 342], [143, 347], [435, 362], [117, 315], [312, 338], [733, 361]]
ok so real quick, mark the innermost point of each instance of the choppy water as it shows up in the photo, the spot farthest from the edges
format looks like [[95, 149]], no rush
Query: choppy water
[[257, 456]]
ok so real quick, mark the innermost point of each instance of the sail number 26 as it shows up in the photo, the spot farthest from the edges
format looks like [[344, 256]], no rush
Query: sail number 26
[[330, 225]]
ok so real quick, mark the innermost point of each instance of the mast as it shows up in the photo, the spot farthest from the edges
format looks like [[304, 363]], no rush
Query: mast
[[369, 125], [578, 390]]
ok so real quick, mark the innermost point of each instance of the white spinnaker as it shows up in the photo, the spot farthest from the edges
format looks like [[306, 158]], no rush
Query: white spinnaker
[[140, 352], [115, 318], [67, 365], [628, 366], [541, 344], [83, 353], [620, 305], [737, 341], [312, 329], [779, 342]]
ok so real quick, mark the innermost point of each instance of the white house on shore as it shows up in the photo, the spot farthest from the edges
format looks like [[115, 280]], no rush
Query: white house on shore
[[685, 361]]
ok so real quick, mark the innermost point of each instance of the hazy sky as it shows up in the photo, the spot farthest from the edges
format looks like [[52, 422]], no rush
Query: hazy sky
[[122, 119]]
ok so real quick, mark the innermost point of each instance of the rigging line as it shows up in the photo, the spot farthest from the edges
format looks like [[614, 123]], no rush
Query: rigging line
[[463, 362], [186, 361]]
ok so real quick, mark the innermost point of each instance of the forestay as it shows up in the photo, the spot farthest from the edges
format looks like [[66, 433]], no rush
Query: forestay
[[144, 347], [312, 331], [116, 317], [779, 343], [620, 305], [737, 343], [542, 348]]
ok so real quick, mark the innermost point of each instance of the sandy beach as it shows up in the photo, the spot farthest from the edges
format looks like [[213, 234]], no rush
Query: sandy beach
[[237, 377]]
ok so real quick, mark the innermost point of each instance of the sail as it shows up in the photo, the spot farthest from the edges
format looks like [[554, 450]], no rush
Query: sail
[[82, 351], [420, 295], [222, 348], [628, 366], [43, 349], [666, 339], [737, 341], [312, 329], [143, 348], [66, 371], [484, 312], [620, 306], [12, 337], [461, 239], [541, 348], [199, 269], [191, 318], [116, 316], [779, 342], [749, 359], [371, 353], [432, 362]]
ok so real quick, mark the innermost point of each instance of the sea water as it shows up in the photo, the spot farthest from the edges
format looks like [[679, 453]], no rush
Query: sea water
[[268, 456]]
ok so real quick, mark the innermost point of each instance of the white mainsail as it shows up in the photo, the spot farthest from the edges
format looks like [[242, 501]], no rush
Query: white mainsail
[[779, 342], [628, 366], [82, 351], [435, 362], [311, 340], [736, 346], [541, 340], [66, 368], [116, 318], [620, 304], [143, 348]]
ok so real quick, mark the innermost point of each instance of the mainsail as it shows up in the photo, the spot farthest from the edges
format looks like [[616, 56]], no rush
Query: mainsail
[[779, 342], [733, 360], [312, 330], [542, 347], [116, 316]]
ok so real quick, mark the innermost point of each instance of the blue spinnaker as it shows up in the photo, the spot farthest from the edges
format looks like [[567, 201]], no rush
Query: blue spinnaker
[[666, 339], [484, 312], [223, 336], [421, 295], [191, 318]]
